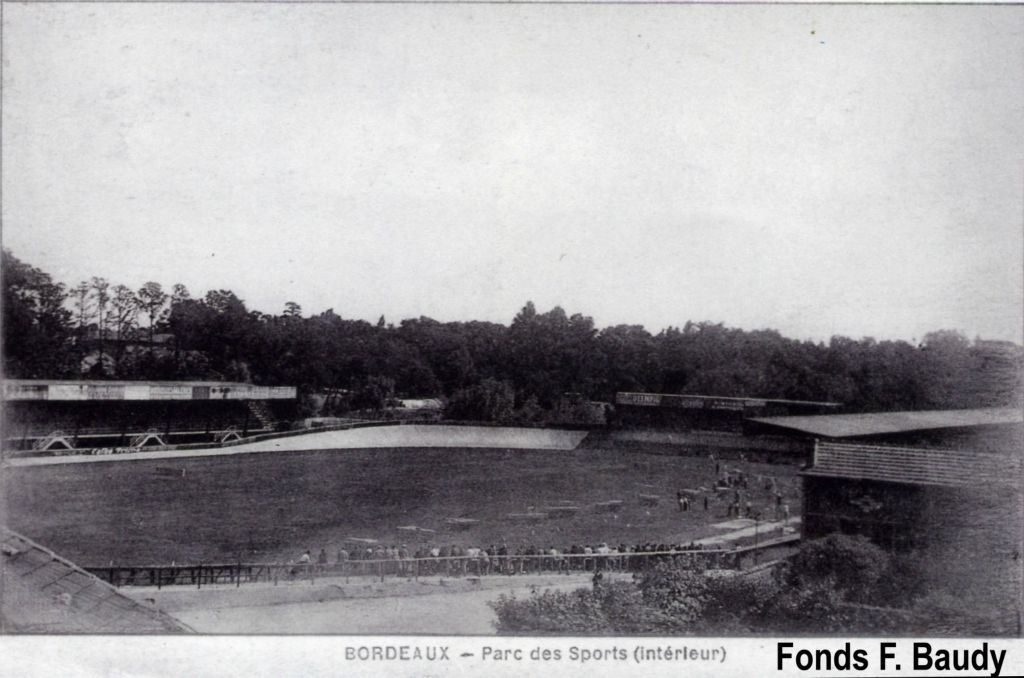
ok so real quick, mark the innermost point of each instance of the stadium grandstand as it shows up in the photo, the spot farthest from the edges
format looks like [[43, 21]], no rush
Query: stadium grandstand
[[45, 593], [702, 412], [44, 416], [957, 512], [994, 427], [944, 485]]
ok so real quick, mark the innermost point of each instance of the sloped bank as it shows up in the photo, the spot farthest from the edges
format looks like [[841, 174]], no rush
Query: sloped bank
[[406, 436]]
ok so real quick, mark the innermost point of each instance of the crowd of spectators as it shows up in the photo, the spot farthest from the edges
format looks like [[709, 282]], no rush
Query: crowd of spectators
[[455, 560]]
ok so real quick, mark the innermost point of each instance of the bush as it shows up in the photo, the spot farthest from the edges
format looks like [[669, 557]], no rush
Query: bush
[[813, 607], [612, 608], [740, 604], [853, 564], [569, 612], [678, 594]]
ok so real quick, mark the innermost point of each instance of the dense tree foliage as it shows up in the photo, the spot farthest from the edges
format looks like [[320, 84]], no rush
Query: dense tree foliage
[[107, 330], [37, 326]]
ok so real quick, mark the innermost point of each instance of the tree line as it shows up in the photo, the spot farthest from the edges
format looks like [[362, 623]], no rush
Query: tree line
[[100, 330]]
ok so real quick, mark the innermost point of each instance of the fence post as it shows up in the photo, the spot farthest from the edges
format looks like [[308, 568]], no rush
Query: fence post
[[380, 568]]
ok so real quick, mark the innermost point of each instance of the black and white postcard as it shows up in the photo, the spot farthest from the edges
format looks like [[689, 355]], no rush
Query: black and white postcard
[[444, 338]]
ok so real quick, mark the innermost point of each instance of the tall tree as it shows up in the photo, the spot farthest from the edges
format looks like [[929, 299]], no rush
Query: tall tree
[[81, 302], [124, 312], [101, 296], [37, 327], [152, 299]]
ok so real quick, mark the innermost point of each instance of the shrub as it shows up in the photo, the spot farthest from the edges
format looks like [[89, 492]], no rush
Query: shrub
[[813, 607], [678, 594], [852, 564], [568, 612], [740, 604]]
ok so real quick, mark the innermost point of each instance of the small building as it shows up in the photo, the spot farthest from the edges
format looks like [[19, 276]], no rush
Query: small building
[[431, 404]]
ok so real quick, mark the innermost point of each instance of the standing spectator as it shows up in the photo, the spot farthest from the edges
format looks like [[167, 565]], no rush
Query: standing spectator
[[404, 566], [321, 561], [504, 562]]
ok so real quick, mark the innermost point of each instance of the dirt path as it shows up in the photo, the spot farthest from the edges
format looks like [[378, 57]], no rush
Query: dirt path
[[460, 612]]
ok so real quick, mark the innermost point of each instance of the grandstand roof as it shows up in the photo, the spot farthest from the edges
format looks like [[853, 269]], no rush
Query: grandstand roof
[[77, 389], [879, 423], [44, 593], [914, 466], [684, 399], [105, 382]]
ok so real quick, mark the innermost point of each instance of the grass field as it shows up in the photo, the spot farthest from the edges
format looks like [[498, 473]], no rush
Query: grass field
[[274, 506]]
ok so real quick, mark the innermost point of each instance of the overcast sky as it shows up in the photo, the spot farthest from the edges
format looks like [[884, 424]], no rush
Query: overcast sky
[[815, 169]]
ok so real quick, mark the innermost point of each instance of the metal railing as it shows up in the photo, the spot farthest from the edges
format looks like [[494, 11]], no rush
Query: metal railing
[[437, 566]]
